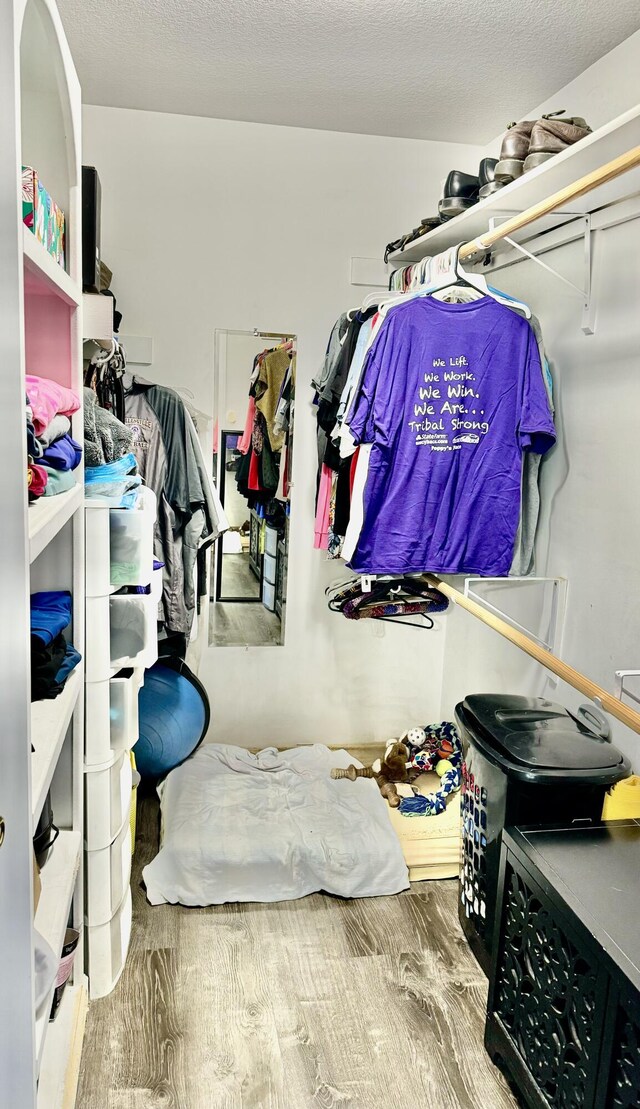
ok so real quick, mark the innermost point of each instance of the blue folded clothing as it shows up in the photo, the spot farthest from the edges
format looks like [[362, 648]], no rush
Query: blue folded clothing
[[50, 614], [69, 663], [115, 483], [64, 454]]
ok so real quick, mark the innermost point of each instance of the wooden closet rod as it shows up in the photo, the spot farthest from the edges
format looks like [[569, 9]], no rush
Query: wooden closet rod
[[583, 185], [609, 703]]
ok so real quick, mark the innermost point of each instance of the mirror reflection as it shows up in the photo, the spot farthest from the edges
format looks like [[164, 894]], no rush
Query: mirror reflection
[[253, 451]]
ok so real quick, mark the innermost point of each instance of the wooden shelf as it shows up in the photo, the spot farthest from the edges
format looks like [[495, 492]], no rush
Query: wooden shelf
[[49, 724], [58, 883], [603, 145], [42, 274], [49, 514], [61, 1057]]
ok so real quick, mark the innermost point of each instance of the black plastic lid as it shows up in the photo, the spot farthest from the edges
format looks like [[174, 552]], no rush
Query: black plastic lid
[[537, 734]]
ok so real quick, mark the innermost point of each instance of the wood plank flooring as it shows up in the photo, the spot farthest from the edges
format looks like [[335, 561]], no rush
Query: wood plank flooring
[[238, 624], [311, 1004]]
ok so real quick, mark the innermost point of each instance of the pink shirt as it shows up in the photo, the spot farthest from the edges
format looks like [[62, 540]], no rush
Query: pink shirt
[[47, 399]]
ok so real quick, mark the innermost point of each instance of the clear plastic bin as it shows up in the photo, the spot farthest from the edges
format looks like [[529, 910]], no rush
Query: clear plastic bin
[[131, 541]]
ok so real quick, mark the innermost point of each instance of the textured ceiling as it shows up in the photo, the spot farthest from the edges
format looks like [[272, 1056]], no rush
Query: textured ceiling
[[415, 68]]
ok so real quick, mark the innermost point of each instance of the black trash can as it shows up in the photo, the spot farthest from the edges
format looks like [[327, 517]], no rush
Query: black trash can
[[526, 761]]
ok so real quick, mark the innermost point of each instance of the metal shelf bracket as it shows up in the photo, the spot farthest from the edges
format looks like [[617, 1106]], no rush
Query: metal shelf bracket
[[584, 292], [620, 689], [553, 614]]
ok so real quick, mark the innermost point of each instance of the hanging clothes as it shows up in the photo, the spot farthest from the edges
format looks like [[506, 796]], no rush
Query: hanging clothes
[[450, 398], [261, 474], [359, 392], [163, 443]]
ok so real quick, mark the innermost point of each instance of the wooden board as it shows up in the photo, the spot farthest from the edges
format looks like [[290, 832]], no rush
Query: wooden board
[[430, 844]]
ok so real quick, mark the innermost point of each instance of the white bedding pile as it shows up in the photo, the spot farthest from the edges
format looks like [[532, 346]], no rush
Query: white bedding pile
[[271, 827]]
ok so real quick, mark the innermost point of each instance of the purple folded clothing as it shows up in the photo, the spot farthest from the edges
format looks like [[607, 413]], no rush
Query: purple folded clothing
[[64, 454]]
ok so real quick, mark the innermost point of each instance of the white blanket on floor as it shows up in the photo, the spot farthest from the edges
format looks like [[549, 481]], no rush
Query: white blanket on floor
[[271, 827]]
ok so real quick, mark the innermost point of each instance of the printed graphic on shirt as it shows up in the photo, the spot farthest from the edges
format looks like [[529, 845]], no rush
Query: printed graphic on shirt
[[141, 429], [448, 407]]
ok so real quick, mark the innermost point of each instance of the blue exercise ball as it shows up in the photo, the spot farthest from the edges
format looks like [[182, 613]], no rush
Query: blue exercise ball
[[174, 717]]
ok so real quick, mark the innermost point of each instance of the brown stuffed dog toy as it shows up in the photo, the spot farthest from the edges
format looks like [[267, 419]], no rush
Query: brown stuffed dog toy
[[387, 771]]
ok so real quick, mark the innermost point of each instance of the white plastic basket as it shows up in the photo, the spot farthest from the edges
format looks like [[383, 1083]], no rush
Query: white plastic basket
[[108, 798], [108, 875], [133, 630], [269, 596], [269, 569], [270, 541], [107, 946], [111, 717]]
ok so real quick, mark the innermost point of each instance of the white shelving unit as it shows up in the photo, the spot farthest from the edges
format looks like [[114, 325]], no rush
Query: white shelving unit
[[119, 553], [42, 548], [603, 145]]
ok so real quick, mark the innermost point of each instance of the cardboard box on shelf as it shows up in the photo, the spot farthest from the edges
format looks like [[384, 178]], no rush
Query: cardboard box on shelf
[[42, 215]]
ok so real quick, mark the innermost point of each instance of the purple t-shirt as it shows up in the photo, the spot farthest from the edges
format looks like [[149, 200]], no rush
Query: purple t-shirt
[[451, 395]]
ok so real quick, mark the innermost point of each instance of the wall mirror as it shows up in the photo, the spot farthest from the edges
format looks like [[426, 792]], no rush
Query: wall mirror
[[252, 458]]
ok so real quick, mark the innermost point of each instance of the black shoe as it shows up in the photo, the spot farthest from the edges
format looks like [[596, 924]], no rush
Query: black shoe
[[486, 175], [460, 192]]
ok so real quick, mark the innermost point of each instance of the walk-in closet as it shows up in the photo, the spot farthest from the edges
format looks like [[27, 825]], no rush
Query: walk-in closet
[[319, 780]]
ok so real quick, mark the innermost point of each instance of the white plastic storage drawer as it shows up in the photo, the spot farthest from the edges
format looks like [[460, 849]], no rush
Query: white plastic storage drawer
[[133, 630], [123, 708], [108, 799], [269, 569], [131, 541], [269, 596], [97, 568], [270, 541], [107, 946], [111, 722], [108, 877], [97, 664]]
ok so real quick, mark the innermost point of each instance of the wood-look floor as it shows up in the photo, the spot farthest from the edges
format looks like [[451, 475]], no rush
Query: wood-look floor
[[238, 624], [310, 1004]]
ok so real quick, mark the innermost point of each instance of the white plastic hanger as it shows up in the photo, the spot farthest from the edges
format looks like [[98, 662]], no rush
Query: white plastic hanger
[[457, 275]]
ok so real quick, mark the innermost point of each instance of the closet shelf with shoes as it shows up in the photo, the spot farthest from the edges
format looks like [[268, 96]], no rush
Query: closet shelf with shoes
[[612, 141]]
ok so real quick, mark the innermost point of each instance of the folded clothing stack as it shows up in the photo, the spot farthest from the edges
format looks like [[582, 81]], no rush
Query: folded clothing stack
[[115, 483], [53, 454], [52, 658]]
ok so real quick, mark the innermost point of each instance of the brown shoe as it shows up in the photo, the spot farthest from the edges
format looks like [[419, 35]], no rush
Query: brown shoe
[[516, 147], [514, 150], [552, 136]]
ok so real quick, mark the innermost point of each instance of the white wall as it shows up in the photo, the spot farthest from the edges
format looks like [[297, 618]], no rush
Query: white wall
[[215, 224], [592, 536]]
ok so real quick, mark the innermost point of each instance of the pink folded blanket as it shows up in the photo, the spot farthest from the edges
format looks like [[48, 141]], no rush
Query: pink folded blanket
[[48, 399]]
